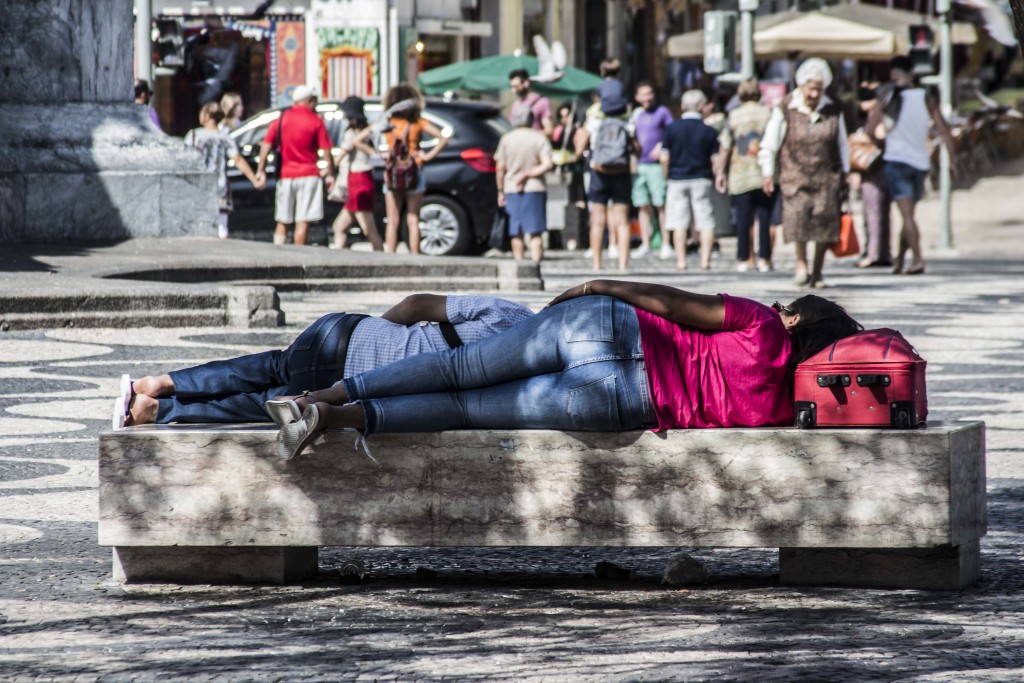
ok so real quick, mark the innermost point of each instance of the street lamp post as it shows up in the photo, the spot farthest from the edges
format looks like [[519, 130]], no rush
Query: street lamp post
[[943, 7], [747, 10], [144, 39]]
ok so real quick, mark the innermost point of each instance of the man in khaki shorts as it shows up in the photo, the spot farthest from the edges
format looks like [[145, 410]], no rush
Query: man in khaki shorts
[[300, 192], [687, 147]]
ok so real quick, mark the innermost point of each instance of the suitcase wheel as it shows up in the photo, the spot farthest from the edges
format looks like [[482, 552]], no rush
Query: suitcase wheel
[[806, 416], [901, 414]]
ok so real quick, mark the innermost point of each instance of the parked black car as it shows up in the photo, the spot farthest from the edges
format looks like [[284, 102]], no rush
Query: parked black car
[[459, 205]]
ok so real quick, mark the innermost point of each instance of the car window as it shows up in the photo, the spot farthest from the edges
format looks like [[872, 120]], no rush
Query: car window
[[497, 123], [254, 130]]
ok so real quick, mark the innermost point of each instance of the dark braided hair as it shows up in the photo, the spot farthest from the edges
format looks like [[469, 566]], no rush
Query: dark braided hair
[[822, 323]]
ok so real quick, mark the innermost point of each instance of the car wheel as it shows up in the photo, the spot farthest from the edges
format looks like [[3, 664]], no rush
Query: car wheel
[[444, 227]]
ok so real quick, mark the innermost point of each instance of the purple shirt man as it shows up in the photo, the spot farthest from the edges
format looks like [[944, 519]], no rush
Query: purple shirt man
[[649, 127]]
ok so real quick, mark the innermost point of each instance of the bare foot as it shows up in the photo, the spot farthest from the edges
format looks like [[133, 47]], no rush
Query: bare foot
[[156, 386], [143, 410]]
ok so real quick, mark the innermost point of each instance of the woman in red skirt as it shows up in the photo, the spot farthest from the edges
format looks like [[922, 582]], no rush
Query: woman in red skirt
[[356, 153]]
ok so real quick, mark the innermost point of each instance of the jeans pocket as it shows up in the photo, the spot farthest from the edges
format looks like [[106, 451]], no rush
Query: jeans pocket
[[589, 319], [314, 333], [595, 407]]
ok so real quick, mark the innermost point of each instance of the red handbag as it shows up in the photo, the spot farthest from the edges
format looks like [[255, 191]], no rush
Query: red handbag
[[848, 244]]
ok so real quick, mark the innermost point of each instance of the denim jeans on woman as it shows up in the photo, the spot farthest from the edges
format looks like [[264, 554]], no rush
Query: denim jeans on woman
[[575, 366], [235, 390]]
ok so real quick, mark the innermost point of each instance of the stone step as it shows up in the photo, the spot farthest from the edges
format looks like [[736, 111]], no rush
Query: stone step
[[239, 306], [392, 284]]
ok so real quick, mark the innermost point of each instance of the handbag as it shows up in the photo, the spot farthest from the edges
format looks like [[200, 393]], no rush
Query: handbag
[[864, 153], [499, 231], [848, 244]]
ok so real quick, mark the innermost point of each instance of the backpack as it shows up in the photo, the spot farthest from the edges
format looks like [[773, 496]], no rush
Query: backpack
[[609, 151], [400, 170]]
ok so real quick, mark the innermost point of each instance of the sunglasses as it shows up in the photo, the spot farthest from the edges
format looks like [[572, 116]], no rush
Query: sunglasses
[[783, 309]]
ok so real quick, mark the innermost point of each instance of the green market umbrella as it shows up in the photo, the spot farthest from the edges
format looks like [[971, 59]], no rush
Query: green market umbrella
[[491, 73]]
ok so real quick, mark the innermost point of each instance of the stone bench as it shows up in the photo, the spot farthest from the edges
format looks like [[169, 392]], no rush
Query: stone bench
[[852, 507]]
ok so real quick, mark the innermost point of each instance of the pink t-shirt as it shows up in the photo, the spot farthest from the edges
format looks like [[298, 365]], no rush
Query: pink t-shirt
[[733, 377], [540, 106]]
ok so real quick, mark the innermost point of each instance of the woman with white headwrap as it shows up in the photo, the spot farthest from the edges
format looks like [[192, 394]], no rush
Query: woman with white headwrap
[[805, 148]]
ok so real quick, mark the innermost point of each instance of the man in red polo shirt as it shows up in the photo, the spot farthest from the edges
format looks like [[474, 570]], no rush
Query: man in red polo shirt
[[300, 194]]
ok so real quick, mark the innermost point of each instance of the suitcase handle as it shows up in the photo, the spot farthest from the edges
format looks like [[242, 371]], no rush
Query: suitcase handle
[[833, 380], [873, 380]]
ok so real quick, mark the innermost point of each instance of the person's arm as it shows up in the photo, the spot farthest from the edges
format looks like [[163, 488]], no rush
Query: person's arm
[[844, 145], [265, 147], [581, 139], [771, 142], [544, 165], [499, 178], [944, 132], [721, 167], [416, 307], [326, 146], [362, 141], [874, 125], [703, 311], [442, 141], [243, 166]]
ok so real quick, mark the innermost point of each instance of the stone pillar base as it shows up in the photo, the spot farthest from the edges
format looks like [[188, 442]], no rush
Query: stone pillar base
[[946, 567], [97, 172], [215, 564]]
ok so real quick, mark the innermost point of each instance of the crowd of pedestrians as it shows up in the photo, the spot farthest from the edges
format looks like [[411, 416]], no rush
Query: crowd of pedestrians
[[758, 170], [755, 169]]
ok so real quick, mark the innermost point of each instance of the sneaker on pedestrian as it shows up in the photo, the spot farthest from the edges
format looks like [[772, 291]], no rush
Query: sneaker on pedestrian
[[640, 251], [666, 252], [764, 266], [742, 266], [613, 252], [589, 253]]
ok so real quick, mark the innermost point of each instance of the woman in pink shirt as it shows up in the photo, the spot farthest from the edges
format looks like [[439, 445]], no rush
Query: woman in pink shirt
[[603, 356]]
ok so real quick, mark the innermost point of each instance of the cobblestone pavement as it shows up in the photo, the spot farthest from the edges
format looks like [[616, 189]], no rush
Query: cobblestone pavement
[[522, 614]]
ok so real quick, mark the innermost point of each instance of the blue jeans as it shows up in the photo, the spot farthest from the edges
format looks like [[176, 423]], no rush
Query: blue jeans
[[905, 181], [575, 366], [235, 390]]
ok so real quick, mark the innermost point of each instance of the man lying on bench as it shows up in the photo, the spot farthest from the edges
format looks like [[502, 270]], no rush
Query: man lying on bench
[[335, 346], [603, 356]]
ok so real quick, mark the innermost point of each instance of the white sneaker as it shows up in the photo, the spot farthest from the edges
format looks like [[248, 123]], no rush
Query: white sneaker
[[589, 253], [742, 267], [666, 252], [613, 252], [640, 251]]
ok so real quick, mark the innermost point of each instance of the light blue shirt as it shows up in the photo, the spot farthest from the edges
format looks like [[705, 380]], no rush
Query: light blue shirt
[[375, 342]]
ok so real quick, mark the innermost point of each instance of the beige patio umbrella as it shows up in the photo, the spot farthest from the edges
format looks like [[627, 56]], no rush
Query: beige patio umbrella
[[840, 32]]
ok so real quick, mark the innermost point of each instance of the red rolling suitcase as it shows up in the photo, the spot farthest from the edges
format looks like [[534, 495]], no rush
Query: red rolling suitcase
[[871, 379]]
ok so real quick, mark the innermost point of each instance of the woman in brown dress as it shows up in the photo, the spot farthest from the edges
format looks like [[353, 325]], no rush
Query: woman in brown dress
[[805, 142]]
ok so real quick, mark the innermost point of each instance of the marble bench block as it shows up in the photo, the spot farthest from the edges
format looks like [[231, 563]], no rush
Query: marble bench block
[[220, 485], [215, 565], [943, 568]]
